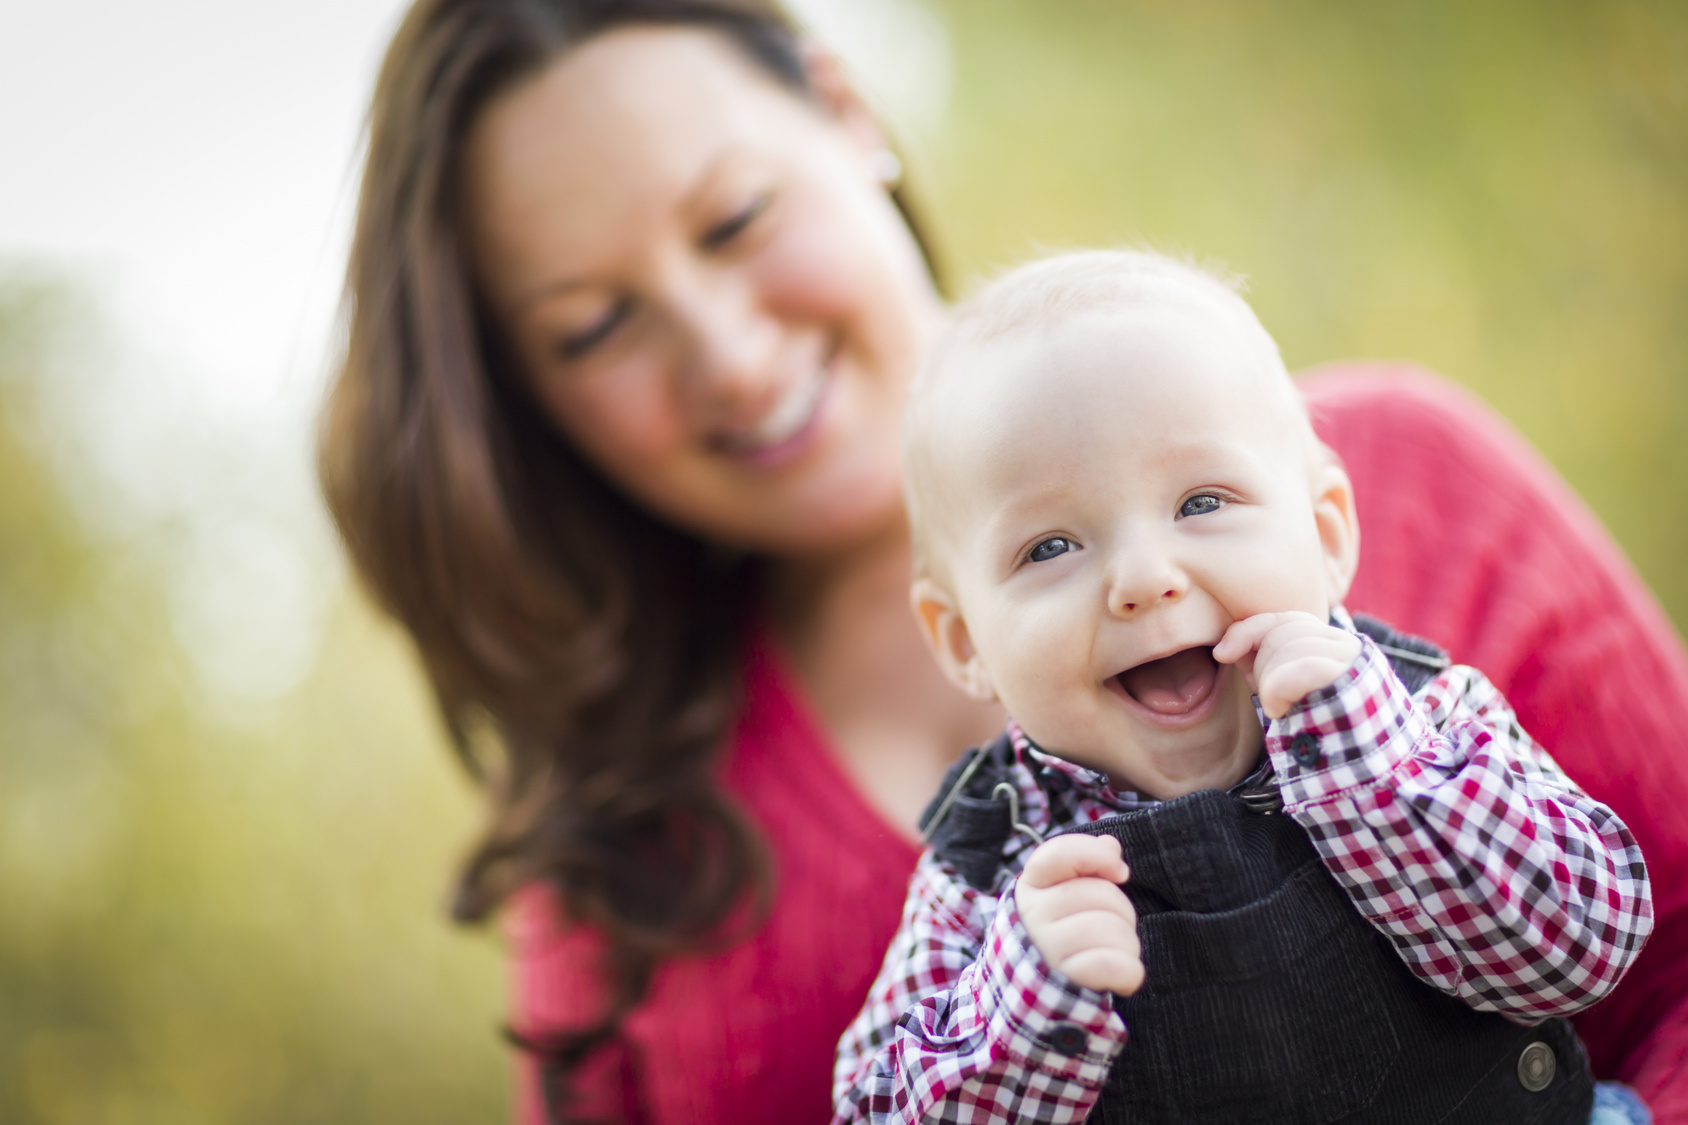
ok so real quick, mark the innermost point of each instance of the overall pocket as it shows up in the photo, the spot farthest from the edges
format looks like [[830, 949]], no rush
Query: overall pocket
[[1272, 1012]]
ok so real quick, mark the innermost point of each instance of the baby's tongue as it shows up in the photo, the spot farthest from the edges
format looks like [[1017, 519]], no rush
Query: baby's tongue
[[1173, 685]]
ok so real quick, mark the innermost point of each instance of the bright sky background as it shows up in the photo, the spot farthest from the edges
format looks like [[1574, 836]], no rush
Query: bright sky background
[[192, 164], [195, 157]]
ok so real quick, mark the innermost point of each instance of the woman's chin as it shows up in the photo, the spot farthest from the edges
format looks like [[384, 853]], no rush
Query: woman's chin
[[839, 513], [838, 518]]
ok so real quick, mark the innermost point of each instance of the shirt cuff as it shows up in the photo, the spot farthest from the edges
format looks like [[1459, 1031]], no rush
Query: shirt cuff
[[1044, 1021], [1347, 736]]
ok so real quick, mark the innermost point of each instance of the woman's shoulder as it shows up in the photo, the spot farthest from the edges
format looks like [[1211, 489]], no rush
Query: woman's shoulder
[[1468, 536], [781, 765]]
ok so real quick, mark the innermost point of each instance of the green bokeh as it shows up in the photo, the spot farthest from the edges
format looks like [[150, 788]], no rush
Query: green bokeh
[[213, 921], [208, 917]]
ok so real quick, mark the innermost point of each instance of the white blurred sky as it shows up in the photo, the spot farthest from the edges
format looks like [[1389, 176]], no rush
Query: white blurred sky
[[196, 158], [192, 164]]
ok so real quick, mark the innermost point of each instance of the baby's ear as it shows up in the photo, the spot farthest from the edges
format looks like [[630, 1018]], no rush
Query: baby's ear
[[946, 635], [1339, 527]]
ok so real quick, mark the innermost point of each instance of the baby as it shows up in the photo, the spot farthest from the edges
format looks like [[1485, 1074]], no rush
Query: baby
[[1239, 856]]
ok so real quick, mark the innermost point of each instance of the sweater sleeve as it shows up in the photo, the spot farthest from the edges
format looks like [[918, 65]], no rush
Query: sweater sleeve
[[1472, 540]]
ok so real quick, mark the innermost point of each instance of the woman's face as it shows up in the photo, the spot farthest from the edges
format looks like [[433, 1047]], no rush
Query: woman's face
[[709, 292]]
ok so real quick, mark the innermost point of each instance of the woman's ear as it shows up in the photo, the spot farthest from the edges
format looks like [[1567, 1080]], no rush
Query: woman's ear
[[1339, 527], [838, 97], [946, 635]]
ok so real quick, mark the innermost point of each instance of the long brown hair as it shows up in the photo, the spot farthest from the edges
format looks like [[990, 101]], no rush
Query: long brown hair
[[583, 653]]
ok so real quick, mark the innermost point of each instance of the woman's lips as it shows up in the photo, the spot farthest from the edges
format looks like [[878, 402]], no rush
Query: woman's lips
[[785, 427], [1177, 687]]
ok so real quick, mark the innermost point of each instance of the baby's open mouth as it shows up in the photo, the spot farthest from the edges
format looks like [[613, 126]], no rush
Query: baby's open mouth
[[1173, 685]]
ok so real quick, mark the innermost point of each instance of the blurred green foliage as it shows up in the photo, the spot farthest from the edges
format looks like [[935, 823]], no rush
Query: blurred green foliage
[[211, 920], [202, 920]]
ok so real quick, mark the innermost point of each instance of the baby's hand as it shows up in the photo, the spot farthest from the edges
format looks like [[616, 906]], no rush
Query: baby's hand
[[1076, 914], [1297, 654]]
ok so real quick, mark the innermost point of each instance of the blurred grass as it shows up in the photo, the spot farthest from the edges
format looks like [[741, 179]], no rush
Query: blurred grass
[[216, 921]]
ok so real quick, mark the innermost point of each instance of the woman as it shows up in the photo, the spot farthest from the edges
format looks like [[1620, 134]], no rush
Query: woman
[[634, 301]]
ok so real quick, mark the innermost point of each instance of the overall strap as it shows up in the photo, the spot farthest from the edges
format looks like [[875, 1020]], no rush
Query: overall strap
[[969, 820]]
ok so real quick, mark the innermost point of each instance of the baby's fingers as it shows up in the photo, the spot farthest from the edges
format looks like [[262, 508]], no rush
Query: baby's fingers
[[1288, 682], [1244, 636], [1039, 905], [1071, 857], [1098, 949], [1106, 970]]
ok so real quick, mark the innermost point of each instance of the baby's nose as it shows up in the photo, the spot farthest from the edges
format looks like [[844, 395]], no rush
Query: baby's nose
[[1143, 574], [1170, 595]]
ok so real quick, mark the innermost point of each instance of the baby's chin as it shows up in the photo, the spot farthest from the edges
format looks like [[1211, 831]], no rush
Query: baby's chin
[[1168, 782], [1188, 762], [1167, 772]]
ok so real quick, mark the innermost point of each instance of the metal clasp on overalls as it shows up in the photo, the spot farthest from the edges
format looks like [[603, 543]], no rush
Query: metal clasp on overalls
[[1007, 790]]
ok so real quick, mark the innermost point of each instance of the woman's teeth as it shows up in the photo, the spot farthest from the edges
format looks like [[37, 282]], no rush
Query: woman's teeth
[[785, 421]]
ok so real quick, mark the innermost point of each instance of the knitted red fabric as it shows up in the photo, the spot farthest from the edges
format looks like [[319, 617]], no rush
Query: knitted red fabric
[[1467, 538], [747, 1035]]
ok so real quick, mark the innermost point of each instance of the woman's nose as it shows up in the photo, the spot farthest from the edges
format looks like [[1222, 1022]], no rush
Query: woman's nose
[[728, 343], [1143, 577]]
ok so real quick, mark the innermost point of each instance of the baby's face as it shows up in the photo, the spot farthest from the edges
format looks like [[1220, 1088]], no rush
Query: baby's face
[[1115, 492]]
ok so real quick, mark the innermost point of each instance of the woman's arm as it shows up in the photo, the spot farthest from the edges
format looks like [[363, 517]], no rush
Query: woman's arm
[[1471, 540]]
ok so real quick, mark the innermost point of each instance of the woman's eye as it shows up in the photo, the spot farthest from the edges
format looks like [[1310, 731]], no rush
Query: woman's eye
[[1049, 548], [725, 231], [1201, 505], [578, 344]]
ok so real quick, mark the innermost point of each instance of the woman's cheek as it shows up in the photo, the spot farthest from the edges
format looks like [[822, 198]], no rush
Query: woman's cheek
[[824, 264], [624, 417], [806, 277]]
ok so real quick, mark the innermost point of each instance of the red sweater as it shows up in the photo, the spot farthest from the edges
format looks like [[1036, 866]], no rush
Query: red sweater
[[1467, 538]]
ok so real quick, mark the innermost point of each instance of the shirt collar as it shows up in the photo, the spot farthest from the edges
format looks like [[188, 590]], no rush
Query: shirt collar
[[1095, 783]]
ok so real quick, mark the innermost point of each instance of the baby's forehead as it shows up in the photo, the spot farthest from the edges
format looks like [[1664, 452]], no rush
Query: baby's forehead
[[1062, 349], [1186, 357], [1125, 398]]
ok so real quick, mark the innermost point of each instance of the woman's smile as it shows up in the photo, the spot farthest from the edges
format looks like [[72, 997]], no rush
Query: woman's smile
[[736, 347], [786, 428]]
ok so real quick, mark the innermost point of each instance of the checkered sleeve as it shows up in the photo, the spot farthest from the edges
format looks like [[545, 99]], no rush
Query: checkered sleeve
[[967, 1023], [1496, 878]]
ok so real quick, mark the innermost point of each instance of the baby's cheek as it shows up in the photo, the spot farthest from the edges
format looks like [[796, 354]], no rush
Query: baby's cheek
[[1046, 689]]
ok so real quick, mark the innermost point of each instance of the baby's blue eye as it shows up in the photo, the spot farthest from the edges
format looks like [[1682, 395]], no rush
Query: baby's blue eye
[[1049, 548], [1200, 505]]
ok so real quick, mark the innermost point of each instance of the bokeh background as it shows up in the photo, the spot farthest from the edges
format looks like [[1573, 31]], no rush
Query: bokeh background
[[227, 819]]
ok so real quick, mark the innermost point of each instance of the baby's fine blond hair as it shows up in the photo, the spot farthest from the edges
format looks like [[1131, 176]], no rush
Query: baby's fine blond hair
[[1042, 295]]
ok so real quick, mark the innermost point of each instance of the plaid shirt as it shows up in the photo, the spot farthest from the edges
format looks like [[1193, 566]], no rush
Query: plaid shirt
[[1496, 878]]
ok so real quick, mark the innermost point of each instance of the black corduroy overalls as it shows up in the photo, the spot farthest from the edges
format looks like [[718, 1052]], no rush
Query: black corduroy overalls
[[1269, 998]]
